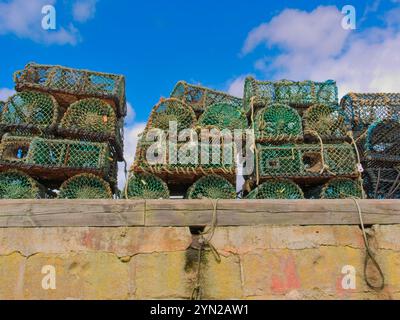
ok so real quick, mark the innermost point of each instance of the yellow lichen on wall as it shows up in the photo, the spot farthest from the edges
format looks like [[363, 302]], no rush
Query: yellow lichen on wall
[[261, 262]]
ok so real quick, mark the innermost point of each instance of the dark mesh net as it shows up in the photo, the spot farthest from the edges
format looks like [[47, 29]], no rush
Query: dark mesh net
[[146, 186], [168, 110], [329, 122], [341, 188], [211, 187], [223, 116], [277, 189], [383, 141], [18, 185], [69, 85], [299, 94], [32, 110], [305, 160], [200, 98], [382, 183], [365, 108], [85, 186], [278, 122]]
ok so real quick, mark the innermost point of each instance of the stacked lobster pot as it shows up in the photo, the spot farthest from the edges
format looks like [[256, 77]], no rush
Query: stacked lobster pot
[[183, 150], [303, 145], [375, 119], [63, 134]]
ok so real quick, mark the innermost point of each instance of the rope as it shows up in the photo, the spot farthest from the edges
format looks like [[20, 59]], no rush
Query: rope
[[254, 147], [369, 255], [205, 242], [325, 167]]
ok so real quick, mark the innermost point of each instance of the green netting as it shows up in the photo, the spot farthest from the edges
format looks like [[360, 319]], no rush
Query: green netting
[[146, 186], [168, 110], [69, 84], [223, 116], [382, 183], [299, 94], [363, 109], [90, 116], [30, 109], [200, 98], [211, 187], [18, 185], [277, 189], [383, 141], [305, 160], [85, 186], [341, 188], [52, 153], [186, 158], [278, 122], [329, 122], [1, 111]]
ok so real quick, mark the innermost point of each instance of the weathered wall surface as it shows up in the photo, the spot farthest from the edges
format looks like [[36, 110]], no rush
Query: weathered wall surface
[[264, 262]]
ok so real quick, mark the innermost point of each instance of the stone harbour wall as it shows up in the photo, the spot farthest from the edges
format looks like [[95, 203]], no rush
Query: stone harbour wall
[[257, 262]]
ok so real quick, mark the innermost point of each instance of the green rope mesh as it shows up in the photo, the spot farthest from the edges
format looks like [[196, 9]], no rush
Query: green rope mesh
[[328, 121], [223, 116], [305, 160], [28, 108], [18, 185], [304, 93], [68, 154], [211, 187], [278, 122], [64, 81], [90, 115], [382, 183], [146, 186], [277, 189], [14, 149], [382, 141], [85, 186], [200, 98], [341, 188], [209, 158], [365, 108], [171, 110], [1, 111]]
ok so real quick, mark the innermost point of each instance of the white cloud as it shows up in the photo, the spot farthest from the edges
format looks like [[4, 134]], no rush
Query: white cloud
[[235, 86], [5, 93], [84, 10], [23, 18], [131, 114], [313, 45], [131, 137]]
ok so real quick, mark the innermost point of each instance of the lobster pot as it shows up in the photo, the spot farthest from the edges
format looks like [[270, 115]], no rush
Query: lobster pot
[[329, 122], [93, 119], [30, 111], [200, 98], [52, 159], [1, 111], [178, 163], [171, 110], [382, 141], [277, 189], [146, 186], [85, 186], [69, 85], [363, 109], [223, 116], [305, 161], [296, 94], [211, 187], [277, 123], [15, 184], [342, 188], [382, 183]]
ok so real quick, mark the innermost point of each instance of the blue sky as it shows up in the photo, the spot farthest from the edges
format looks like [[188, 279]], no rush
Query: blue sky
[[215, 43]]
